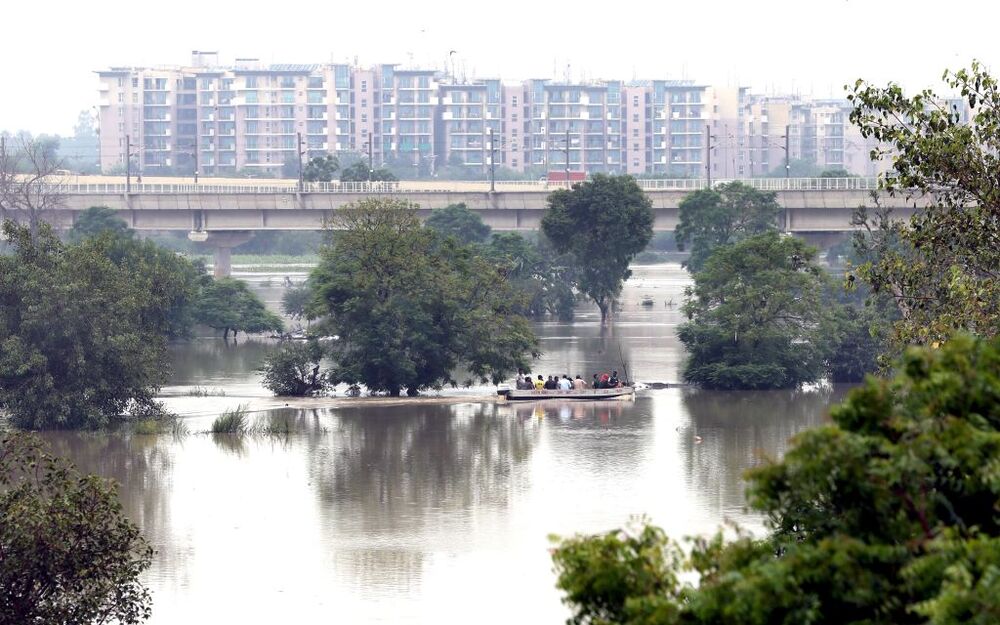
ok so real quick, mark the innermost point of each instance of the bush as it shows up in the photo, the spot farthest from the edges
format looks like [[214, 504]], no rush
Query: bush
[[293, 370], [67, 552]]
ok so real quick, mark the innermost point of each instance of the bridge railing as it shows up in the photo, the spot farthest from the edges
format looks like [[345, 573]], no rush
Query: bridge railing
[[446, 186]]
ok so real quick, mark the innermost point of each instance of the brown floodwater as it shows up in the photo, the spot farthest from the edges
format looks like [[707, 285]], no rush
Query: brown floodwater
[[432, 512]]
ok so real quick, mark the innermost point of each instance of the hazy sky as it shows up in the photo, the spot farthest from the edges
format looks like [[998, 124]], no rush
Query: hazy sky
[[49, 50]]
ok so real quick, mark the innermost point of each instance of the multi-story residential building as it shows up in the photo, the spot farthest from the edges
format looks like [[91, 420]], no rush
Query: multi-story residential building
[[263, 118]]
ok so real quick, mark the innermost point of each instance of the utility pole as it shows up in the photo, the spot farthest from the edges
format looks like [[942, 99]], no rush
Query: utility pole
[[708, 155], [298, 151], [492, 161], [568, 185], [371, 168], [128, 164], [788, 166], [195, 155]]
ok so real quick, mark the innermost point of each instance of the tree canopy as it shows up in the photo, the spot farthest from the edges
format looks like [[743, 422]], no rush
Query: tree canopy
[[757, 316], [320, 168], [940, 266], [601, 224], [358, 172], [94, 221], [886, 516], [458, 221], [410, 307], [69, 554], [726, 214], [294, 370], [228, 304], [80, 341], [543, 277]]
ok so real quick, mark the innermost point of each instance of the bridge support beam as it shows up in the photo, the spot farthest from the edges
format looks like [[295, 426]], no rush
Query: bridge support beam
[[222, 255]]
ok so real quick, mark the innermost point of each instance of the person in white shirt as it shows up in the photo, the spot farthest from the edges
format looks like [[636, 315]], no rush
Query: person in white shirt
[[564, 383]]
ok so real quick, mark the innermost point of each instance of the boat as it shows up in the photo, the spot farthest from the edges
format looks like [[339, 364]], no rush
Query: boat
[[625, 393], [647, 301]]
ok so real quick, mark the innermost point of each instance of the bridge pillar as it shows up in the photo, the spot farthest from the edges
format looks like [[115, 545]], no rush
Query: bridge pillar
[[223, 244]]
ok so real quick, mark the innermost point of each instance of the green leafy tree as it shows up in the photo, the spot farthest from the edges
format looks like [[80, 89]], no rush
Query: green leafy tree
[[321, 168], [730, 212], [757, 316], [69, 554], [171, 283], [295, 302], [410, 307], [358, 172], [536, 271], [836, 172], [940, 266], [95, 220], [601, 224], [229, 305], [76, 349], [886, 516], [458, 221], [294, 370]]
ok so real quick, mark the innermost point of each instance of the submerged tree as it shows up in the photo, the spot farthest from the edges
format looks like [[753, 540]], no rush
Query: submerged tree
[[410, 307], [294, 370], [79, 343], [67, 552], [887, 516], [602, 224], [940, 266], [458, 221], [757, 316], [730, 212], [229, 305]]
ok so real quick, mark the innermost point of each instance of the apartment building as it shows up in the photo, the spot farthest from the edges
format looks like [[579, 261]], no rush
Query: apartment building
[[262, 118]]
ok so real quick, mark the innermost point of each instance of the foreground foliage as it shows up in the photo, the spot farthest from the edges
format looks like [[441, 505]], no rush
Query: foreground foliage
[[601, 224], [757, 317], [67, 552], [80, 343], [410, 306], [940, 266], [887, 516]]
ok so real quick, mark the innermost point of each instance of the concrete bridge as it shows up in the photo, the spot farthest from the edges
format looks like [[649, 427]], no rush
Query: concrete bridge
[[229, 213]]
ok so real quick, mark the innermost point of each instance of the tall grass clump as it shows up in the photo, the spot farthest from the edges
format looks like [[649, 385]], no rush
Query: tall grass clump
[[232, 421]]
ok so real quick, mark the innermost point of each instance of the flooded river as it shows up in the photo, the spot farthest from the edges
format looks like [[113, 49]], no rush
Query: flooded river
[[432, 512]]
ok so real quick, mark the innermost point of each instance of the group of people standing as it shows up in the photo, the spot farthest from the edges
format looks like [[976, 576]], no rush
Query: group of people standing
[[565, 383]]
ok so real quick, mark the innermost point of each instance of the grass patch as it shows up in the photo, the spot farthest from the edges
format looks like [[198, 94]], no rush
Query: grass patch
[[201, 391], [232, 421]]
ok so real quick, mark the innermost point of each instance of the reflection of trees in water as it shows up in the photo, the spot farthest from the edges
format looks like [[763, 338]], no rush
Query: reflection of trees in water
[[142, 466], [195, 361], [739, 430], [399, 481], [595, 437]]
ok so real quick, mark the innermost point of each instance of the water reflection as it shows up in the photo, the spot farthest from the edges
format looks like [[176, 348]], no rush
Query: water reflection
[[730, 432], [413, 479]]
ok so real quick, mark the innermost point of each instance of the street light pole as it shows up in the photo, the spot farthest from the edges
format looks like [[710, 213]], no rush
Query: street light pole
[[298, 152], [568, 186], [195, 159], [708, 155], [788, 167], [128, 164], [492, 161], [371, 168]]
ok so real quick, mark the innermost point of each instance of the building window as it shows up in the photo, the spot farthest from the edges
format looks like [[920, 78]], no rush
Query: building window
[[635, 117], [364, 86], [513, 162], [364, 117], [635, 132], [635, 100], [513, 101], [635, 147], [364, 102], [635, 163]]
